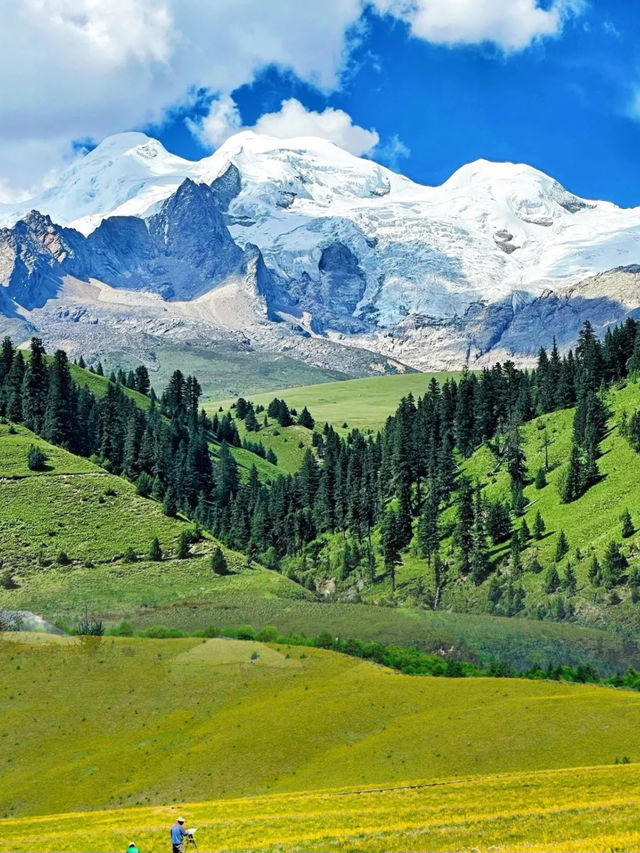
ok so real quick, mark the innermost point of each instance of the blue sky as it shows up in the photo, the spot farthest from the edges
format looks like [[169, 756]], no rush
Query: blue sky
[[424, 86], [563, 104]]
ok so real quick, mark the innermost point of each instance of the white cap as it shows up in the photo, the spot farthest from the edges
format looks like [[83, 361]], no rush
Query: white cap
[[180, 820]]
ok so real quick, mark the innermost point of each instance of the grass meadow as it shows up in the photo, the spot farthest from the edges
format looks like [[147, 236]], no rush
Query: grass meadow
[[231, 732]]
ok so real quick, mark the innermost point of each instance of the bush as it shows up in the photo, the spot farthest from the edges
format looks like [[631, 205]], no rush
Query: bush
[[160, 632], [63, 559], [268, 634], [90, 627], [36, 459], [124, 629], [246, 632], [211, 631], [130, 556], [7, 580]]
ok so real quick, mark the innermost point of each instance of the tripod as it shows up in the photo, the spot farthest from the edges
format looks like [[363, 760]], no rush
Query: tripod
[[190, 842]]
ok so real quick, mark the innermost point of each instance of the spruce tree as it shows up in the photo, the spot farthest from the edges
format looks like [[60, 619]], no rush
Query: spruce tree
[[525, 533], [155, 551], [570, 582], [184, 545], [627, 525], [541, 479], [169, 504], [573, 485], [305, 419], [12, 388], [595, 572], [390, 543], [516, 558], [218, 562], [562, 546], [538, 527], [613, 565], [551, 580], [250, 420], [428, 533], [34, 388], [463, 533]]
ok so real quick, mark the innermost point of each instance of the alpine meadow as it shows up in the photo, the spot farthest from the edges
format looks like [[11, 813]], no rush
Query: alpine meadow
[[319, 426]]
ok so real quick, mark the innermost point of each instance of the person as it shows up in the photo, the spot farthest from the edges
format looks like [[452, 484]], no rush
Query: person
[[132, 848], [177, 834]]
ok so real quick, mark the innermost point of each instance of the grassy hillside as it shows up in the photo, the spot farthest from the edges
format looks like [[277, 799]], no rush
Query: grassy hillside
[[78, 508], [94, 517], [588, 808], [144, 722], [362, 403]]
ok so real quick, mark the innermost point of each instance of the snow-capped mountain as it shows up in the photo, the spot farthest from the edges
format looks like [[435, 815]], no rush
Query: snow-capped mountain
[[343, 249]]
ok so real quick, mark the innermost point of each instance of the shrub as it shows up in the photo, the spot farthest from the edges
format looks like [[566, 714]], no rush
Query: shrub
[[36, 459], [130, 556], [268, 634], [124, 629], [63, 559], [246, 632]]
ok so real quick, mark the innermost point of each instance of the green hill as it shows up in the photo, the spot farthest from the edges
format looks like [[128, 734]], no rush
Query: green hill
[[364, 404], [145, 722]]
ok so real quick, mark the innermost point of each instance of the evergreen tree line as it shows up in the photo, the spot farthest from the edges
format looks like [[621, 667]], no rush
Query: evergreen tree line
[[407, 471]]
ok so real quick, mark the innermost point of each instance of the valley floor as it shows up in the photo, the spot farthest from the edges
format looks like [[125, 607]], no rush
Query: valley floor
[[577, 809]]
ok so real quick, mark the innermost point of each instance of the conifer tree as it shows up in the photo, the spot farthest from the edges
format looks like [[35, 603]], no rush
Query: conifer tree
[[562, 546], [627, 524], [570, 582], [538, 527], [155, 551], [613, 565], [34, 388], [595, 572], [516, 558], [428, 534], [390, 543], [525, 533], [541, 479], [573, 485], [552, 580], [305, 419], [169, 504], [12, 388], [463, 533], [184, 545], [250, 420]]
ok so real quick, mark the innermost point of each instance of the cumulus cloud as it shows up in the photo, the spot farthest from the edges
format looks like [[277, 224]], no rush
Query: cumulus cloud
[[222, 120], [73, 69], [510, 24], [292, 119]]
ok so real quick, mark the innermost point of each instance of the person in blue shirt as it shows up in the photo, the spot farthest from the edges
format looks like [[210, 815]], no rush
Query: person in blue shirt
[[177, 834]]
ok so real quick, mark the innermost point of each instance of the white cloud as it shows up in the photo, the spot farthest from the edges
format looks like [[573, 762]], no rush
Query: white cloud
[[293, 119], [73, 69], [392, 152], [218, 124], [510, 24]]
